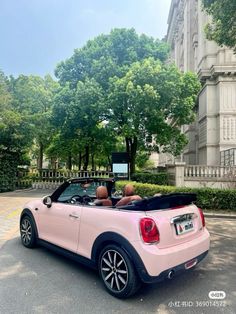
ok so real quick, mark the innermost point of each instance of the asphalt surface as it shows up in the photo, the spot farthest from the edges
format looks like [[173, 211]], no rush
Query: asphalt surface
[[40, 281], [11, 204]]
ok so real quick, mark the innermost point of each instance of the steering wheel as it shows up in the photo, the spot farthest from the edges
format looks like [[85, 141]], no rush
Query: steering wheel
[[85, 199], [76, 199]]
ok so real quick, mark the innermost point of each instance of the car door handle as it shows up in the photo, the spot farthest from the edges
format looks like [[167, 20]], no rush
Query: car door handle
[[73, 216]]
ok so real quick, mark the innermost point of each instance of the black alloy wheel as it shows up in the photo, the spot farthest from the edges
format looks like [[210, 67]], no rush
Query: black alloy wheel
[[117, 272], [27, 232]]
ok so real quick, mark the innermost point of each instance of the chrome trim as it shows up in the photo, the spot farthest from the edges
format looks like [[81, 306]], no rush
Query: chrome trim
[[73, 216], [184, 217]]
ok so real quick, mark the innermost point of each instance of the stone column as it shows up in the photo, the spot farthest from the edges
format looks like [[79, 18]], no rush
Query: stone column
[[179, 173], [176, 173]]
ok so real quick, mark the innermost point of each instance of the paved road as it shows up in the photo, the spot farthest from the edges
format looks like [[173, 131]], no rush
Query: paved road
[[11, 204], [39, 281]]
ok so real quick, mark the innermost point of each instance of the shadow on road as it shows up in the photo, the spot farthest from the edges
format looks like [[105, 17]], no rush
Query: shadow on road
[[40, 281]]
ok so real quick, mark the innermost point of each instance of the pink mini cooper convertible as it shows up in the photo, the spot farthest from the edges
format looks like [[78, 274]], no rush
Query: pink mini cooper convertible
[[129, 240]]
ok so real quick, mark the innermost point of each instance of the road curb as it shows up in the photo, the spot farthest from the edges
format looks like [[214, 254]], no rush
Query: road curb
[[216, 215], [23, 190]]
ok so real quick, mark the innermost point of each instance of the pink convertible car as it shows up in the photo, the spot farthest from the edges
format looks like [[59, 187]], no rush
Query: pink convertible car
[[129, 241]]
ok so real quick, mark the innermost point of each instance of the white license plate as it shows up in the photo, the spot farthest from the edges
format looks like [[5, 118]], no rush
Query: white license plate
[[183, 227]]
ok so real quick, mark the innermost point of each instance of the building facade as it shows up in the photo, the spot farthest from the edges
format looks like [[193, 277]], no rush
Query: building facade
[[214, 130]]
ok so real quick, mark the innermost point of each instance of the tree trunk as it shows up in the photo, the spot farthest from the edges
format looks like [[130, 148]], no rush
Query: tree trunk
[[109, 165], [69, 161], [80, 161], [53, 163], [92, 162], [131, 149], [86, 158], [40, 157], [127, 141], [134, 145]]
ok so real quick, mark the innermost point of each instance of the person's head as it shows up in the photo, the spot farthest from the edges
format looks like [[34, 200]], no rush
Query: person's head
[[128, 190], [85, 185]]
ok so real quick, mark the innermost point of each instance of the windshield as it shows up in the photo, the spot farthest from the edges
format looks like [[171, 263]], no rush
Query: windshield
[[81, 189]]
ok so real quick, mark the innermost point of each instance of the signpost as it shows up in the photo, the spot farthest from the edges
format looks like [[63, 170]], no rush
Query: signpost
[[121, 165]]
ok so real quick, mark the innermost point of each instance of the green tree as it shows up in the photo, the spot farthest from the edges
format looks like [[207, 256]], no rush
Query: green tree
[[65, 149], [5, 95], [33, 98], [15, 136], [109, 55], [98, 61], [152, 101], [222, 29], [14, 130], [78, 114]]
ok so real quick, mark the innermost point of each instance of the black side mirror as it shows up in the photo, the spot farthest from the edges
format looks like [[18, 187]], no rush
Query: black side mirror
[[47, 201]]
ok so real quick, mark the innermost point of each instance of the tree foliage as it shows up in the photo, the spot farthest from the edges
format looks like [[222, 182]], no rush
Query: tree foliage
[[222, 29], [15, 136], [152, 100], [33, 98], [14, 130], [109, 55], [145, 102], [5, 95], [78, 114], [100, 60], [114, 93]]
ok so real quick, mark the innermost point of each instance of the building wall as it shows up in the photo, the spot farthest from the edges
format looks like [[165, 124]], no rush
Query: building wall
[[215, 127]]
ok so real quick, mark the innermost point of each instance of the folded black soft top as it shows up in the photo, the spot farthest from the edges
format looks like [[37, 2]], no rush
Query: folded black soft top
[[162, 202]]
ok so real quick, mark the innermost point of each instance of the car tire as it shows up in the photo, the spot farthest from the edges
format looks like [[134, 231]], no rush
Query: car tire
[[28, 232], [117, 272]]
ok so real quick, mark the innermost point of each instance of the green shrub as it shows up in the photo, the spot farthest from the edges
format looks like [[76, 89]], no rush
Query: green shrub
[[24, 183], [160, 178], [8, 170], [207, 198]]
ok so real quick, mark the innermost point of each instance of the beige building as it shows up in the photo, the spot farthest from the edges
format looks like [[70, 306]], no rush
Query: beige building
[[215, 127]]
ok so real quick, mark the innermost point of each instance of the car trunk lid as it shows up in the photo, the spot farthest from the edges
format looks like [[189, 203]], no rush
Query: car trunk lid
[[177, 225]]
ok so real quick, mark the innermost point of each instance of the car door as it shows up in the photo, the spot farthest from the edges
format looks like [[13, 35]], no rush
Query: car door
[[59, 224]]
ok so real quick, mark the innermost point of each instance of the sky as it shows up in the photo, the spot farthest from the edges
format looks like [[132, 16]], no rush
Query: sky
[[35, 35]]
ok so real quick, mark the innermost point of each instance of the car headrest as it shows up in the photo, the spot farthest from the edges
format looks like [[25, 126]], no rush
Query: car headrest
[[101, 192], [128, 190]]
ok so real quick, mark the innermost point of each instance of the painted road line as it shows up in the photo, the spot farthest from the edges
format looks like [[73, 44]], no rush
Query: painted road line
[[14, 213]]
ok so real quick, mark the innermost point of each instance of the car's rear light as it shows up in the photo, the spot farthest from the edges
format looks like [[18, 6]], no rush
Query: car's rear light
[[149, 231], [202, 217]]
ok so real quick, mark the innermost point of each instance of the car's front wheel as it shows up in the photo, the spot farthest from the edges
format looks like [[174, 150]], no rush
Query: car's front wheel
[[117, 272], [27, 232]]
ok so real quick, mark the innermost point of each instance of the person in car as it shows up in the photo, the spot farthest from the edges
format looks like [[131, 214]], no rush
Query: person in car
[[128, 195]]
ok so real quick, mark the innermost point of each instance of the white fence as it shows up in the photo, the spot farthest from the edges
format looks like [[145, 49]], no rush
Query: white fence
[[49, 179], [209, 171], [181, 174], [47, 174]]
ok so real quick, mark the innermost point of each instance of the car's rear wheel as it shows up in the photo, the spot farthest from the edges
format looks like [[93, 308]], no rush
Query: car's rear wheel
[[27, 232], [117, 272]]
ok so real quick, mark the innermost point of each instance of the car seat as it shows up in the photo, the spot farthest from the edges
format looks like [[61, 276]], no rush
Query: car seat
[[102, 197]]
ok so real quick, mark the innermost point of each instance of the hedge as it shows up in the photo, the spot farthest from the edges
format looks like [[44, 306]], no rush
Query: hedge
[[207, 198], [8, 170], [160, 178]]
